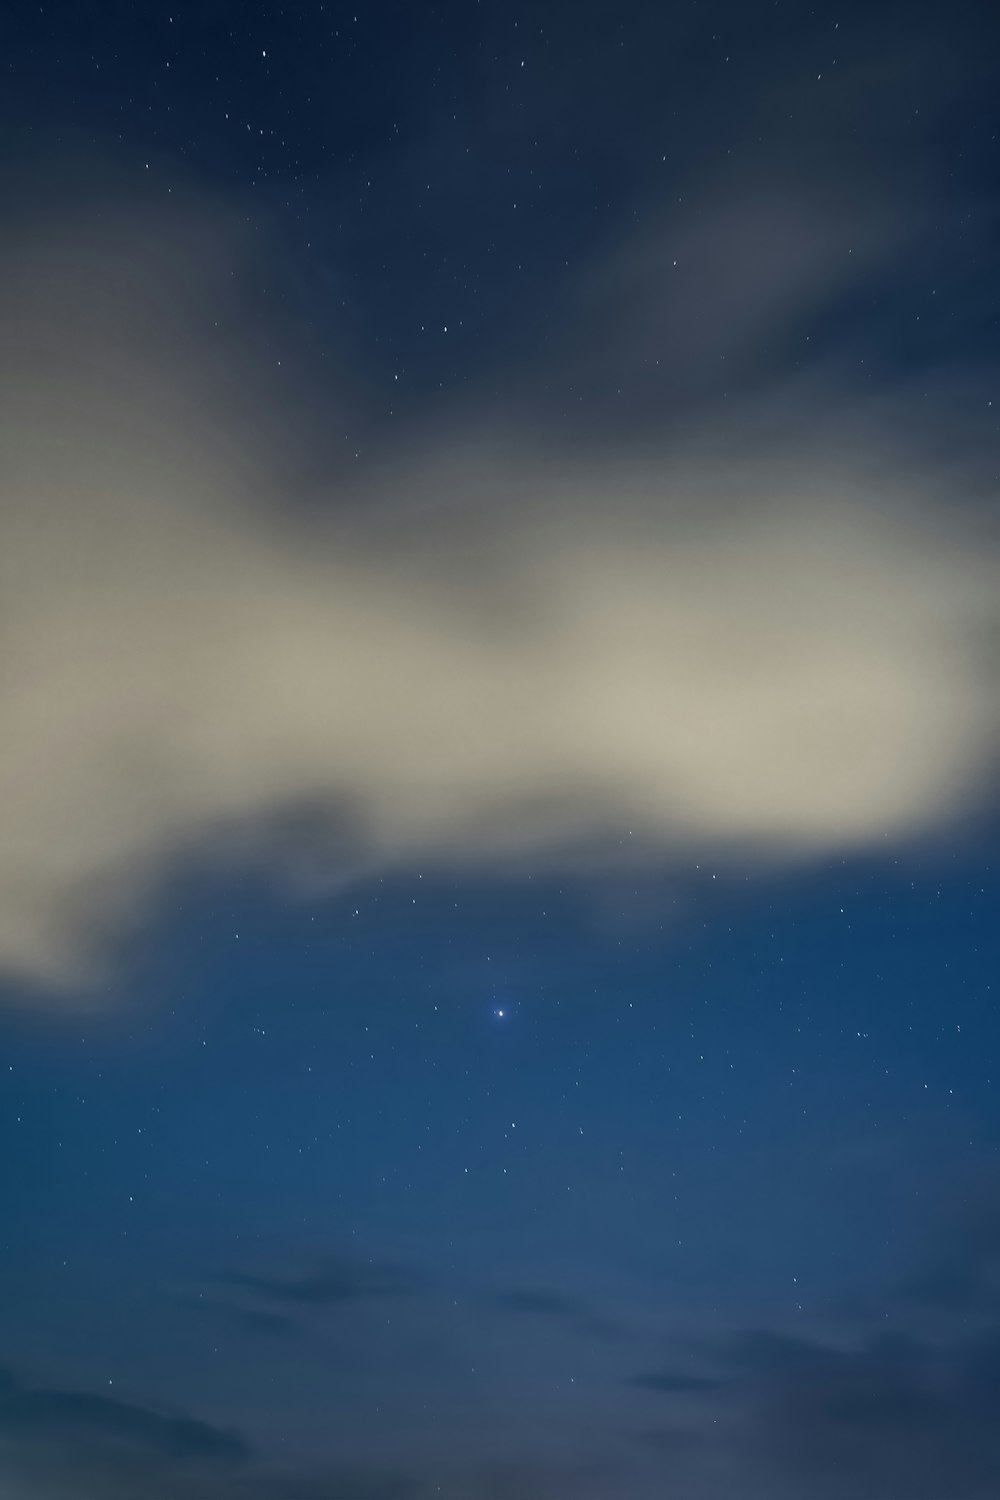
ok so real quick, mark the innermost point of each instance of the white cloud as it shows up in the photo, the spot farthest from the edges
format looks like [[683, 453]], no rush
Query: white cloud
[[749, 657]]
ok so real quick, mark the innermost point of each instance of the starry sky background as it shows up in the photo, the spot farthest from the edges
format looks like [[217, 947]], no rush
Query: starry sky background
[[499, 617]]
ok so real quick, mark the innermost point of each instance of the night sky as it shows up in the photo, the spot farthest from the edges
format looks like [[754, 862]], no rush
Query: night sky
[[499, 625]]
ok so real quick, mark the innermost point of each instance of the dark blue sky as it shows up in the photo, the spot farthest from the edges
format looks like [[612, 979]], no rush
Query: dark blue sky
[[498, 609]]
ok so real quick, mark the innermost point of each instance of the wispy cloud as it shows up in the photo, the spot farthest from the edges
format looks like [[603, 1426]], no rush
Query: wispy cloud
[[541, 1303], [83, 1418], [339, 1280], [77, 1445]]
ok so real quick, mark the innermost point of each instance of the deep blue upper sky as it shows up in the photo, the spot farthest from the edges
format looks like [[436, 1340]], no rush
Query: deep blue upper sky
[[498, 963]]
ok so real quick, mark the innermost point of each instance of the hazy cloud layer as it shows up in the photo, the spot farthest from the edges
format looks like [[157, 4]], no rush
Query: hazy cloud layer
[[482, 654]]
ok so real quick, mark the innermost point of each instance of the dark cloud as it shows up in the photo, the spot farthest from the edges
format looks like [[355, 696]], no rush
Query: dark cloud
[[894, 1417], [965, 1273], [74, 1445], [56, 1416], [341, 1279], [536, 1479], [674, 1383], [251, 1320], [543, 1303], [669, 1442], [347, 1484], [84, 1478], [896, 1400]]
